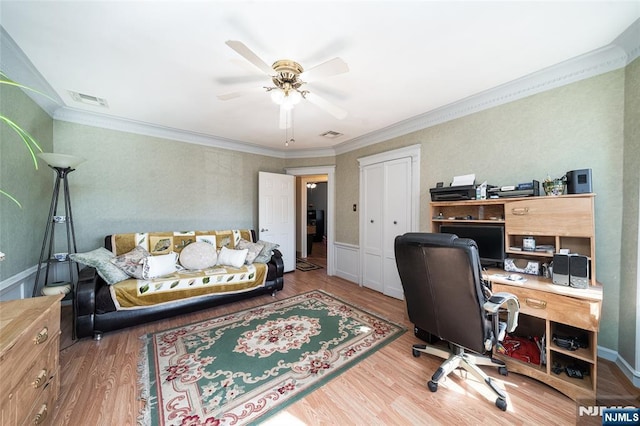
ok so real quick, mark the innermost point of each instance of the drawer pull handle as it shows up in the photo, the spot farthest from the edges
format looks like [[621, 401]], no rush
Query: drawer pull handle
[[41, 379], [41, 415], [536, 304], [42, 336], [520, 211]]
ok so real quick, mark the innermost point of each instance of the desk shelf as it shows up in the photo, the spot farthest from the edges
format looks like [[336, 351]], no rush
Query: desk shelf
[[546, 309]]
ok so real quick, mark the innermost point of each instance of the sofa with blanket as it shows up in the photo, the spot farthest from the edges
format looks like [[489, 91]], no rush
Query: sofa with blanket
[[142, 277]]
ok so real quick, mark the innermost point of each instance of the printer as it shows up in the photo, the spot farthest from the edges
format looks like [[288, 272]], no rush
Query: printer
[[453, 193]]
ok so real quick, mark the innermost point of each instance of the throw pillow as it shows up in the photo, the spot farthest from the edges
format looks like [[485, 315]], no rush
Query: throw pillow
[[231, 257], [254, 250], [157, 266], [198, 255], [101, 260], [266, 252], [131, 262]]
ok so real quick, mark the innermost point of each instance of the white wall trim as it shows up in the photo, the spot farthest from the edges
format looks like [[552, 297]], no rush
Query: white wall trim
[[621, 52], [610, 355], [347, 262], [72, 115], [20, 284], [330, 171], [589, 65]]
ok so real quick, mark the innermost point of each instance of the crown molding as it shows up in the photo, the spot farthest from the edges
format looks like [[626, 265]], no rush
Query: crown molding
[[14, 62], [115, 123], [622, 51], [617, 55]]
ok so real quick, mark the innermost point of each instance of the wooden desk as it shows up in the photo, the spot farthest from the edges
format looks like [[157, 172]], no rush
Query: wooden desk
[[545, 309]]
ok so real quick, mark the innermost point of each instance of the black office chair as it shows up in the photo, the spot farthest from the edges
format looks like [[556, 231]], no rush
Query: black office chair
[[447, 298]]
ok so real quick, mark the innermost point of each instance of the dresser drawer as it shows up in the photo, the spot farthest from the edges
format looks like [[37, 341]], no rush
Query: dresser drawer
[[38, 377], [34, 341], [579, 313], [550, 216], [42, 410]]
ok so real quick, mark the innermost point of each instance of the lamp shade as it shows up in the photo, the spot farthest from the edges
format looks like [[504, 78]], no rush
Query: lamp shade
[[63, 161]]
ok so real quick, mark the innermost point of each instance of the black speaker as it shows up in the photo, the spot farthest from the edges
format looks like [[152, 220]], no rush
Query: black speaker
[[579, 181], [561, 269], [578, 271]]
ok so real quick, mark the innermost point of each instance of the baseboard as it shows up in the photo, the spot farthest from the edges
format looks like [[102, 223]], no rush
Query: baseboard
[[630, 373], [347, 261], [18, 286]]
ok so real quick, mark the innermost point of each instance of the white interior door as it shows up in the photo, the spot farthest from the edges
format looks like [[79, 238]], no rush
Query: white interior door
[[276, 214]]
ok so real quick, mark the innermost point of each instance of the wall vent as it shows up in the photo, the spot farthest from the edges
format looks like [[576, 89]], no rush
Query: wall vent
[[331, 134], [88, 99]]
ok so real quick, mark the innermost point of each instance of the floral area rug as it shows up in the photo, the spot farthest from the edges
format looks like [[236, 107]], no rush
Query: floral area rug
[[243, 367]]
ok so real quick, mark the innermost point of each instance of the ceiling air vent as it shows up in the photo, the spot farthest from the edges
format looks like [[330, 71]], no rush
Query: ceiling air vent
[[88, 99], [331, 134]]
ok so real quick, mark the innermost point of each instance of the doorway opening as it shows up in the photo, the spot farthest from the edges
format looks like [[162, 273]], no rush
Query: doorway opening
[[315, 214], [316, 220]]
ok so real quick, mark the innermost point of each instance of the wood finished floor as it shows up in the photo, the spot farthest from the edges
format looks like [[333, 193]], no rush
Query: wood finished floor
[[99, 378]]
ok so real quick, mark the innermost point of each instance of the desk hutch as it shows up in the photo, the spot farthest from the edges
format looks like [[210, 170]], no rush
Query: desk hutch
[[545, 308]]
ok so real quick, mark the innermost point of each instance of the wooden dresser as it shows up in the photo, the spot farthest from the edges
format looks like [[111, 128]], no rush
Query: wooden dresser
[[29, 350]]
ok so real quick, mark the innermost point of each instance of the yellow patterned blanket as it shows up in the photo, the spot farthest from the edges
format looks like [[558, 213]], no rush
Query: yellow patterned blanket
[[137, 294]]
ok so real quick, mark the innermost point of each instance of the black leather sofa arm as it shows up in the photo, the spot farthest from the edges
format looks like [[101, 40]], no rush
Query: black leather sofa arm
[[276, 259], [85, 301]]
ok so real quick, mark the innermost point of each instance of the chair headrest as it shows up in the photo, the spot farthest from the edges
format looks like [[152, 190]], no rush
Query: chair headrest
[[435, 240]]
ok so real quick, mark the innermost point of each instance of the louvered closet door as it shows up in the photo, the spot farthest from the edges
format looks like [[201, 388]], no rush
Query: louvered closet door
[[397, 219]]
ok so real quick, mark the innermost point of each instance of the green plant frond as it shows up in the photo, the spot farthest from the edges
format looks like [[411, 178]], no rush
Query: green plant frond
[[26, 138], [10, 197], [6, 80]]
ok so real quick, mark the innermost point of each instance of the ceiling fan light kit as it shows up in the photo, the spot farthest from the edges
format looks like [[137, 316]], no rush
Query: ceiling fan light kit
[[286, 77]]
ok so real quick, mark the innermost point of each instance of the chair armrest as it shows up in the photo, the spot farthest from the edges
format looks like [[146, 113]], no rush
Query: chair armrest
[[498, 300]]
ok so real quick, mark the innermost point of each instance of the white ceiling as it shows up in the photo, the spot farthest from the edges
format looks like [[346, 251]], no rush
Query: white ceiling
[[163, 63]]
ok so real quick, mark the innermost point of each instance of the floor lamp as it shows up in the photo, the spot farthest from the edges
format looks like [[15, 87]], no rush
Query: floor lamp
[[62, 164]]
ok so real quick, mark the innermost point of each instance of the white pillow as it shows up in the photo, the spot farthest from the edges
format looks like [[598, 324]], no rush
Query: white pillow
[[231, 257], [198, 255], [157, 266]]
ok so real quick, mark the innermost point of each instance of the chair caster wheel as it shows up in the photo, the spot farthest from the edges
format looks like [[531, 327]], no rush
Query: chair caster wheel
[[433, 386], [501, 404], [416, 353], [503, 371]]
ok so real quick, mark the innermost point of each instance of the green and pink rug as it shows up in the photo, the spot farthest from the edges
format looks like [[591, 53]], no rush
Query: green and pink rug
[[243, 367]]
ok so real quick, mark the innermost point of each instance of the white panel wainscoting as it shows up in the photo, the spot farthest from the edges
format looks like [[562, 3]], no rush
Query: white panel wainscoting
[[18, 286], [347, 261]]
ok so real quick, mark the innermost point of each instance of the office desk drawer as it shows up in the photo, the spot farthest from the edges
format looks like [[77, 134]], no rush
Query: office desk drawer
[[579, 313], [549, 216]]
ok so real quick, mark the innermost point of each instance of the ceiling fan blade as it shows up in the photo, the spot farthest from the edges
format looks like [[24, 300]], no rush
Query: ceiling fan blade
[[248, 54], [239, 93], [332, 109], [232, 95], [331, 67], [285, 117]]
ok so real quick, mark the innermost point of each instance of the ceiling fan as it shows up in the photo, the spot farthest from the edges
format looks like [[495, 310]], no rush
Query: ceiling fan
[[289, 79]]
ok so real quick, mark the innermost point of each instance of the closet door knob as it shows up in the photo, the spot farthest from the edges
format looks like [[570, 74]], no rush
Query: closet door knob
[[395, 222], [371, 220]]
